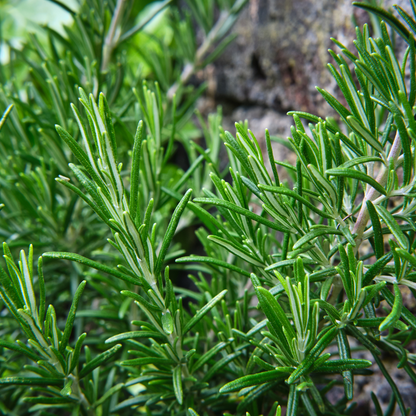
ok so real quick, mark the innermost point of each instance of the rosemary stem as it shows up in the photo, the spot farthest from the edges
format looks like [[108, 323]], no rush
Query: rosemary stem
[[110, 40], [372, 193], [190, 68]]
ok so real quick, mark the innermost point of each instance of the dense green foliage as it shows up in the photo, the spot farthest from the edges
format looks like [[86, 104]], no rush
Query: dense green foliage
[[291, 269]]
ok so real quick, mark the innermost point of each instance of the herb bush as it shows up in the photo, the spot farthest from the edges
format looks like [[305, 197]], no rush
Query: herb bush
[[289, 272]]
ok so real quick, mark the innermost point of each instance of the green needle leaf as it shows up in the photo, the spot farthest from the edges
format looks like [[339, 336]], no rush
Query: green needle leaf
[[360, 161], [307, 116], [309, 361], [80, 155], [329, 309], [388, 17], [396, 311], [275, 315], [220, 364], [177, 384], [5, 115], [277, 374], [317, 232], [20, 349], [355, 174], [42, 400], [242, 211], [406, 256], [32, 381], [170, 232], [208, 355], [284, 191], [364, 133], [345, 354], [237, 250], [99, 360], [377, 268], [77, 352], [378, 234], [108, 394], [292, 401], [147, 360], [346, 365], [405, 141], [90, 263], [214, 262], [407, 316], [135, 334], [135, 170], [392, 225], [71, 317], [202, 312]]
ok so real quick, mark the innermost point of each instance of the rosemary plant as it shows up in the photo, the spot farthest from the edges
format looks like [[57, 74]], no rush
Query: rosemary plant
[[294, 274]]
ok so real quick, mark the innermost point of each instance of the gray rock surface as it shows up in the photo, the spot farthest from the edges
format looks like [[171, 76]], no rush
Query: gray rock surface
[[279, 57], [281, 51]]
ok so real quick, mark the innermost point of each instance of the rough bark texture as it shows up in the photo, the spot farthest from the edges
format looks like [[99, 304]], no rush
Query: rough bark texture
[[278, 58]]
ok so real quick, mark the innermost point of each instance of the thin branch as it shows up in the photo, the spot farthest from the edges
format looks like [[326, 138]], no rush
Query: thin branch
[[372, 194], [110, 41], [190, 68]]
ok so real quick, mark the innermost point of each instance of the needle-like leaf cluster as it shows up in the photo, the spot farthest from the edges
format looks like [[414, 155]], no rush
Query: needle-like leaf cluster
[[303, 280]]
